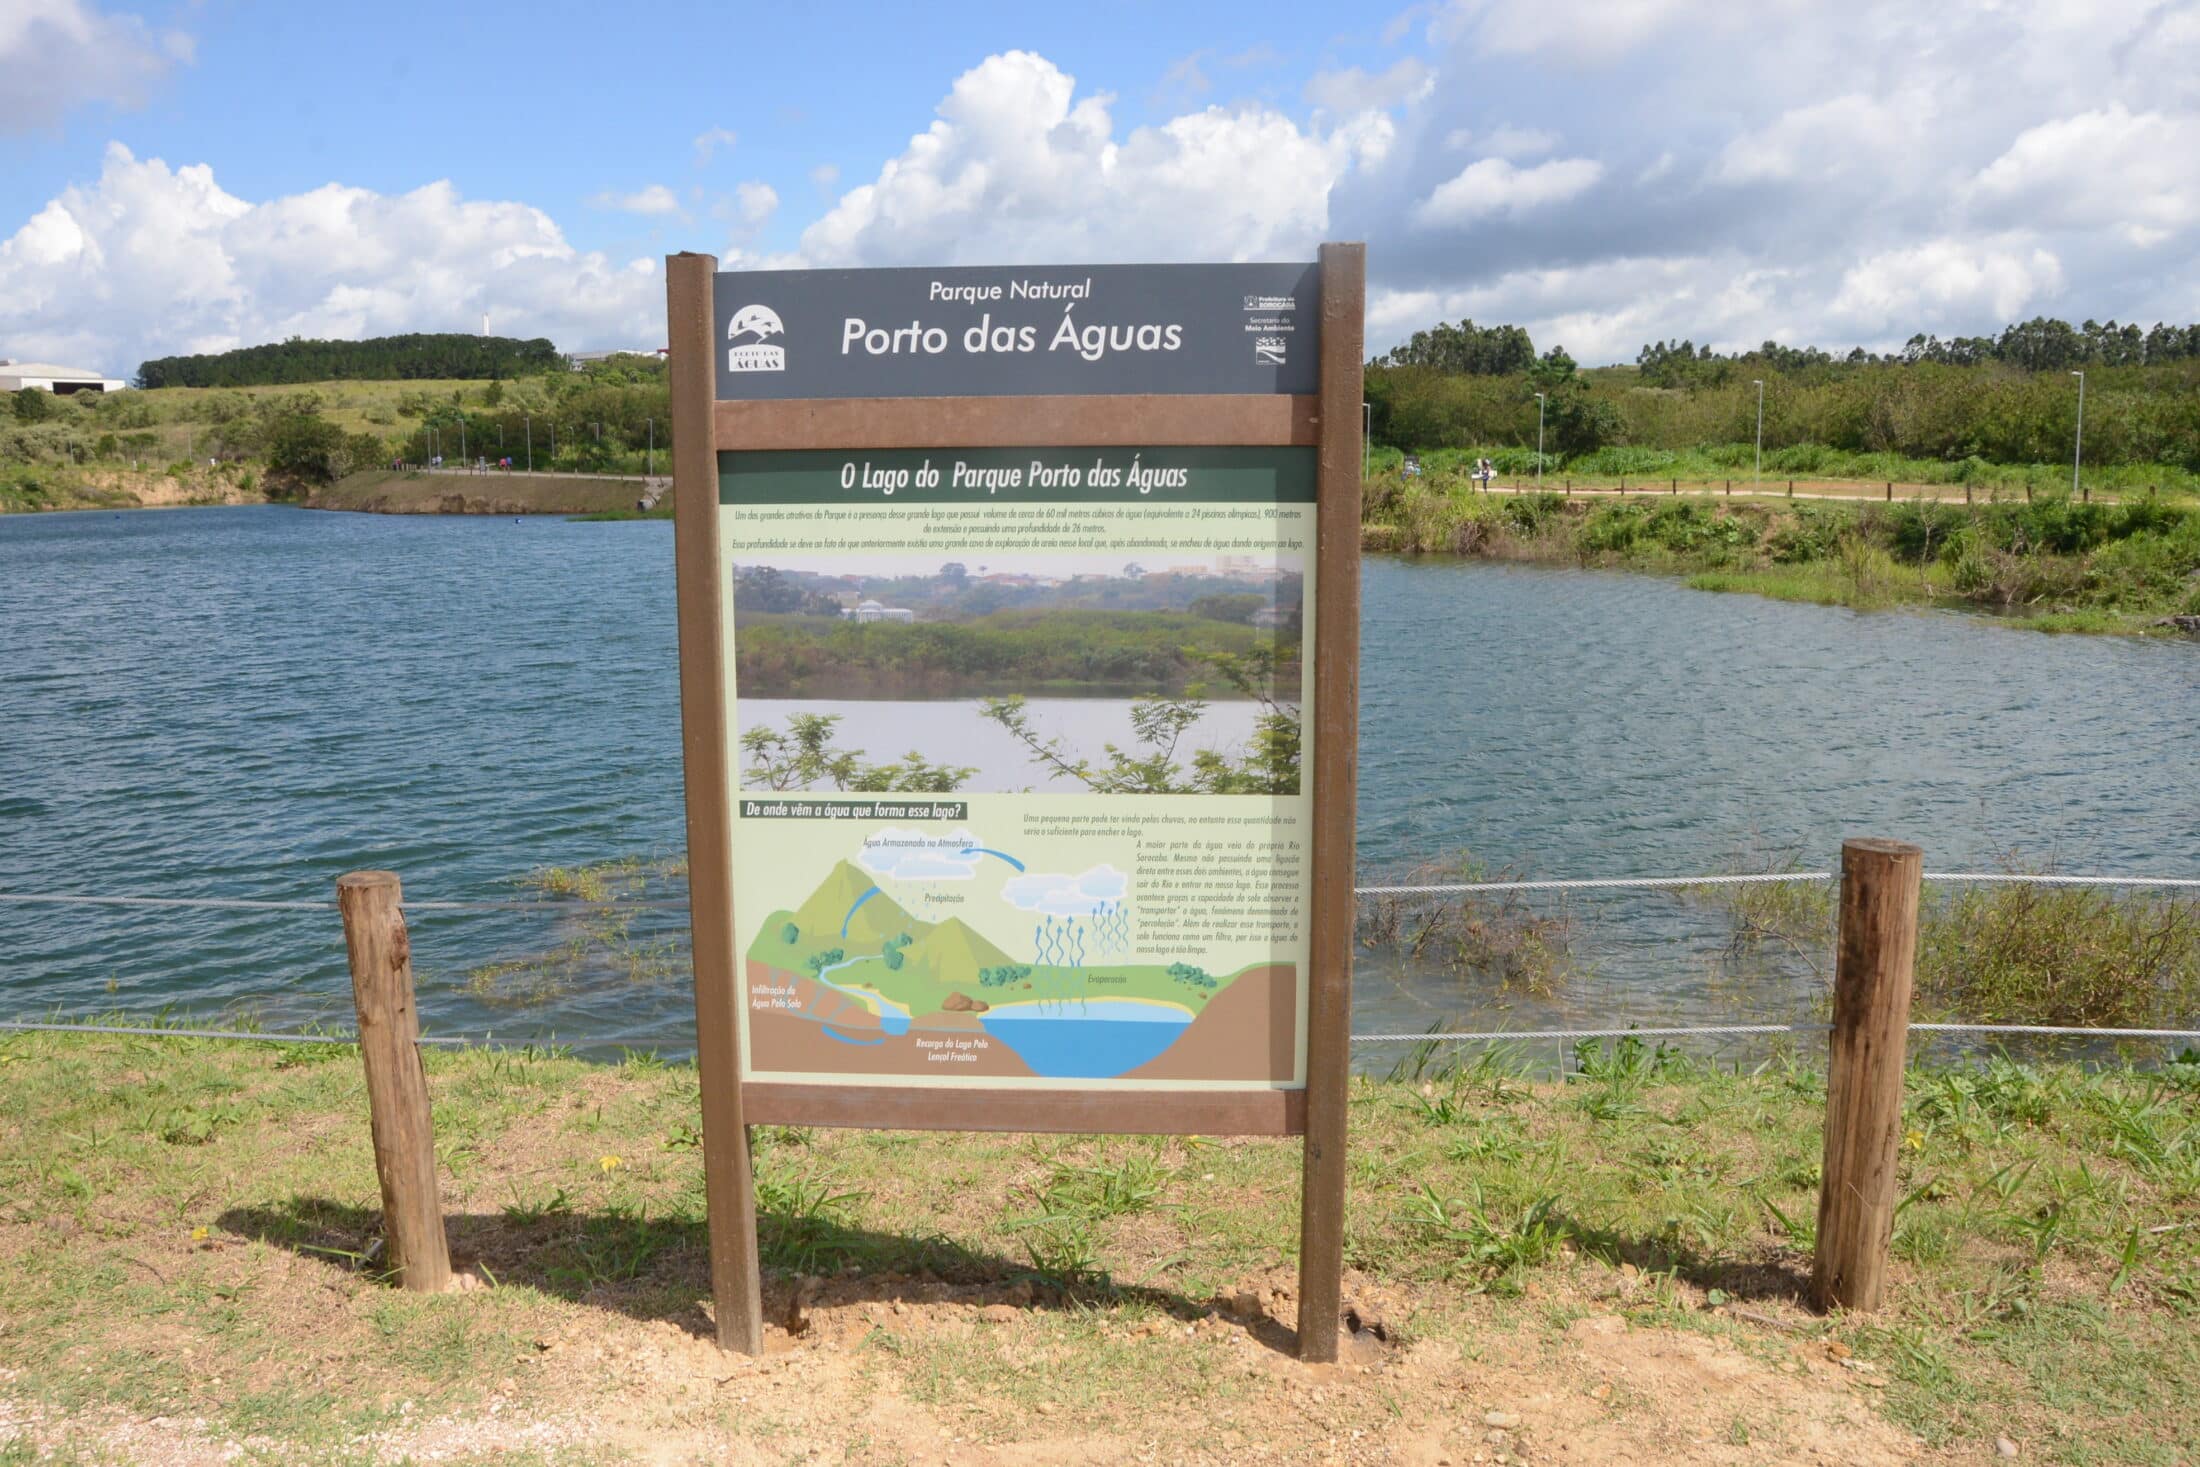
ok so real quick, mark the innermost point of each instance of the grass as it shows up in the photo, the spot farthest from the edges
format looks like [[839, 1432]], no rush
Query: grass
[[2005, 953], [184, 1227], [1808, 465]]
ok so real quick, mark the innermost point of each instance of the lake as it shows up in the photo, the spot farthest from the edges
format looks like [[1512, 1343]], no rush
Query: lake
[[953, 731], [249, 702]]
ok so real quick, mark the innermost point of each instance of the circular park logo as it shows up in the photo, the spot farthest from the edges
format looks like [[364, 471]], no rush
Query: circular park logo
[[757, 323]]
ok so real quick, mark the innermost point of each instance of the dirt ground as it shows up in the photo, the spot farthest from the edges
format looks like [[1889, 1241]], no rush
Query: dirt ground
[[599, 1386], [1541, 1273]]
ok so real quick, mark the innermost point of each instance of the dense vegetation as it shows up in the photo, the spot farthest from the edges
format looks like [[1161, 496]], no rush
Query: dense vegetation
[[1974, 402], [2065, 564], [1008, 651], [380, 358], [602, 420]]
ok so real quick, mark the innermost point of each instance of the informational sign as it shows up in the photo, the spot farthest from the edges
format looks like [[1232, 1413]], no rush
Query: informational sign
[[1017, 331], [1018, 674], [1020, 740]]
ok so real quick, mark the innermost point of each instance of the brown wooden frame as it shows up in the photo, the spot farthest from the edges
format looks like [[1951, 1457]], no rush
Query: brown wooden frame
[[1329, 422]]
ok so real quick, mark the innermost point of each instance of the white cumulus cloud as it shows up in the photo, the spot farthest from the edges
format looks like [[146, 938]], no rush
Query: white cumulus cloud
[[1943, 277], [1018, 168], [710, 140], [2134, 170], [152, 260], [920, 855], [653, 199], [59, 54], [1066, 896], [757, 201], [1499, 186], [1356, 90]]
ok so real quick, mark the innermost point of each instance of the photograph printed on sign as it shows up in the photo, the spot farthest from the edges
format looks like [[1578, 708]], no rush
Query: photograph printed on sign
[[903, 672]]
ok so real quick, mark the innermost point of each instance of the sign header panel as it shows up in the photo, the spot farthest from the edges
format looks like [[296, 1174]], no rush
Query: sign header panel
[[1018, 331]]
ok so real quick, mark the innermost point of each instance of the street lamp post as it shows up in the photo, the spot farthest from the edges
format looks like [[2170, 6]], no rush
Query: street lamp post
[[1540, 403], [2077, 447], [529, 424], [1367, 433], [1759, 481], [652, 447]]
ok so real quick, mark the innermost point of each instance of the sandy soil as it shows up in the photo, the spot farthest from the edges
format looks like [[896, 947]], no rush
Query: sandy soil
[[1600, 1390]]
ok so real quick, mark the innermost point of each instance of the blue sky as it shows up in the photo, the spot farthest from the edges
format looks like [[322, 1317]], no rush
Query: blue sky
[[1606, 172], [559, 104]]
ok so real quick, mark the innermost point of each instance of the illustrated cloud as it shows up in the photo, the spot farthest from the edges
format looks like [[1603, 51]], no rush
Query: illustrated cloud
[[920, 855], [1067, 896]]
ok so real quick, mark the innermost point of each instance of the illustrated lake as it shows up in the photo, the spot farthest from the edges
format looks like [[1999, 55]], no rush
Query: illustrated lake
[[249, 702]]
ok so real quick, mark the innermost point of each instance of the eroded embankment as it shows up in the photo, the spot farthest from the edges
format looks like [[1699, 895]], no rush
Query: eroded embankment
[[383, 491]]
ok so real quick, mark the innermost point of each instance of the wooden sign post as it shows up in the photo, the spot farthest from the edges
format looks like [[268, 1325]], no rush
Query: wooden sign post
[[1019, 618]]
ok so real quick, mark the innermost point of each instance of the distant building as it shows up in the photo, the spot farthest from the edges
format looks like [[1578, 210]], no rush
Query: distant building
[[62, 381], [579, 359], [872, 611]]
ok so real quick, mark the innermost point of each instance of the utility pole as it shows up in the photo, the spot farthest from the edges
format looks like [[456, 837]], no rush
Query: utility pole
[[1758, 482], [2077, 448], [1540, 403]]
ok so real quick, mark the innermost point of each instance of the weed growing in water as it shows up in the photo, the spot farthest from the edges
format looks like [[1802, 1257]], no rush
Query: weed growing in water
[[1495, 938]]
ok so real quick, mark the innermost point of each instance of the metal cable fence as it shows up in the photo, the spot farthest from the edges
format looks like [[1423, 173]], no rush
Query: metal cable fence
[[1429, 1036]]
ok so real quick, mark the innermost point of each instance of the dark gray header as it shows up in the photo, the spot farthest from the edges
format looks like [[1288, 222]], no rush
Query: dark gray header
[[1018, 331]]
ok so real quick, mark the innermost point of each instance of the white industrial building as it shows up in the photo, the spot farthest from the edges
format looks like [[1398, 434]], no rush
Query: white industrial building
[[15, 376]]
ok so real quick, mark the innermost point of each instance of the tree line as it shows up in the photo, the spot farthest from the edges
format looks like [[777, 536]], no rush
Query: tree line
[[381, 358], [2004, 399]]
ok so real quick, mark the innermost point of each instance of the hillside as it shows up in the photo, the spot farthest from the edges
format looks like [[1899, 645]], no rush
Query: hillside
[[950, 952], [878, 919]]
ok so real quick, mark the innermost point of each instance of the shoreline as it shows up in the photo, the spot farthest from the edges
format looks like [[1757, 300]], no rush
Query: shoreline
[[2130, 569], [1710, 540]]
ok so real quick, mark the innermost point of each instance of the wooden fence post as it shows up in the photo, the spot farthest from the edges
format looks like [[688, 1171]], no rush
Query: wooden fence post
[[1875, 962], [397, 1084]]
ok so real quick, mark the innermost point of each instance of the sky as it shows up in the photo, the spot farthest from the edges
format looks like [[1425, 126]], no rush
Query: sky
[[183, 177]]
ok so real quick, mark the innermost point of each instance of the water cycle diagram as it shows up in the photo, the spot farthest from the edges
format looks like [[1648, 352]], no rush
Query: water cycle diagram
[[852, 982]]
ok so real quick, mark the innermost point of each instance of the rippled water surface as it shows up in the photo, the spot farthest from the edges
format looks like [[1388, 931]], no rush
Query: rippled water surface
[[248, 702]]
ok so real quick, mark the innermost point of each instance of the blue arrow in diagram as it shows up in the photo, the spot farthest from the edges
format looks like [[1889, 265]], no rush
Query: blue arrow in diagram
[[852, 910], [983, 851]]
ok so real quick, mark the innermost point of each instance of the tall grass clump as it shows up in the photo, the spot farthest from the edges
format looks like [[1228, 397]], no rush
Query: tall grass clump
[[2066, 955], [1999, 953], [1495, 939]]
